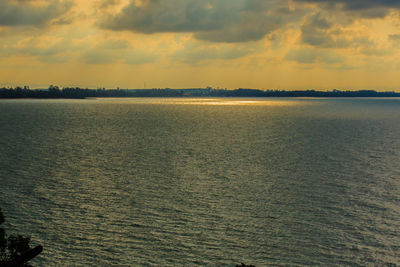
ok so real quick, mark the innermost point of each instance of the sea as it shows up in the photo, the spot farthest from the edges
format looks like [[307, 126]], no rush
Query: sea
[[203, 181]]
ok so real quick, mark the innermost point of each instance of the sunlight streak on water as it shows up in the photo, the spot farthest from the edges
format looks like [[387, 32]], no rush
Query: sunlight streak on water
[[205, 101]]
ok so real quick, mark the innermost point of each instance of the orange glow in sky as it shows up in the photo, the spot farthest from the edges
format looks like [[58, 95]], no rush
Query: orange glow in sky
[[265, 44]]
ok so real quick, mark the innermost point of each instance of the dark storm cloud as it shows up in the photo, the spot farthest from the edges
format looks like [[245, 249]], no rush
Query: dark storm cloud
[[212, 20], [366, 8], [26, 13], [358, 4]]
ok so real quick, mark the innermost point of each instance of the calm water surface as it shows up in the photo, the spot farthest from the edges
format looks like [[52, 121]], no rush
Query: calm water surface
[[203, 182]]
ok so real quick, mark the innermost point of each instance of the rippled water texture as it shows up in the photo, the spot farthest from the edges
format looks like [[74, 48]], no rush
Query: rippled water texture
[[216, 182]]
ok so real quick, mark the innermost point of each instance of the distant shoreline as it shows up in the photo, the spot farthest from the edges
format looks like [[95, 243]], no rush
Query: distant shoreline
[[54, 92]]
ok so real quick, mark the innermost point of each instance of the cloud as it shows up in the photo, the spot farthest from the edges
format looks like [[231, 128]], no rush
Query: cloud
[[99, 57], [52, 52], [210, 20], [323, 31], [311, 56], [315, 31], [195, 54], [108, 3], [358, 4], [395, 38], [117, 51], [30, 13], [365, 8]]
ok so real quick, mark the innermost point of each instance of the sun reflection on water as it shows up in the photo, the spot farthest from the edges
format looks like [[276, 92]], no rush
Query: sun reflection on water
[[206, 101]]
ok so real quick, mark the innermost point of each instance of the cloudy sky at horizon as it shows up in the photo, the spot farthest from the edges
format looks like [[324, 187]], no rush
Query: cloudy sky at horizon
[[269, 44]]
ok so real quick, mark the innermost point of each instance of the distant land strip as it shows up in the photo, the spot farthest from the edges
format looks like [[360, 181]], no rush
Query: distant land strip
[[80, 93]]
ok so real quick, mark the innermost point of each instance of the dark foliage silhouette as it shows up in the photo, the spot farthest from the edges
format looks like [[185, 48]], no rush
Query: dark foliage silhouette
[[15, 250], [244, 265]]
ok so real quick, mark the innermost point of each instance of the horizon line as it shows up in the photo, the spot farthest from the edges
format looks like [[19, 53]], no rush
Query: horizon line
[[199, 88]]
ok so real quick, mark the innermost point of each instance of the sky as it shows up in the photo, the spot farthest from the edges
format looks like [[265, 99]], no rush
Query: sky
[[265, 44]]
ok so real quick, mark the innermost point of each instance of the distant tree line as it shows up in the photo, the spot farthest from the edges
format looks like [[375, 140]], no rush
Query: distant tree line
[[302, 93], [79, 93], [56, 92]]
